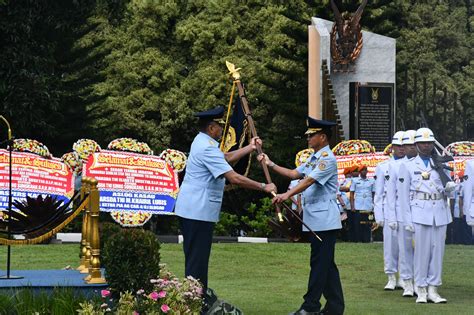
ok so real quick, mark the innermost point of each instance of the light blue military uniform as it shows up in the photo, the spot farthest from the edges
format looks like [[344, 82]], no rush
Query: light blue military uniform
[[363, 189], [347, 182], [200, 195], [320, 210]]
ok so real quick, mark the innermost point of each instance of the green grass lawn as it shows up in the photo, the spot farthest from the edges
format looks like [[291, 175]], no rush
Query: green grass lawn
[[272, 278]]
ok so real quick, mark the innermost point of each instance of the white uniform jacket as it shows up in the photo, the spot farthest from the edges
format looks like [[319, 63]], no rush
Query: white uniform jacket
[[468, 191], [421, 194], [380, 198]]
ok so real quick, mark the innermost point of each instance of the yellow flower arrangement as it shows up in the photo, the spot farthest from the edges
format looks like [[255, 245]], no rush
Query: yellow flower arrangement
[[31, 146], [73, 162], [85, 148], [349, 147], [388, 150], [176, 159], [129, 218], [302, 156], [130, 145], [461, 148]]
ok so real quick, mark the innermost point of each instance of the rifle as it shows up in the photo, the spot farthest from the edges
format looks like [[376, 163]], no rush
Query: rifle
[[234, 73]]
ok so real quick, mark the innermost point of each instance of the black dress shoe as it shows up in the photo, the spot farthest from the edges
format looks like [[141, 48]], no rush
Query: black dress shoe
[[303, 312]]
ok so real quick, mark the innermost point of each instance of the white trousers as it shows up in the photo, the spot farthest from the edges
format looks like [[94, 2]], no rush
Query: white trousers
[[390, 249], [406, 251], [429, 252]]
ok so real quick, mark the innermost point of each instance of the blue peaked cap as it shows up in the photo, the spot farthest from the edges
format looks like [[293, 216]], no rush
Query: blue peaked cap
[[316, 125], [215, 114]]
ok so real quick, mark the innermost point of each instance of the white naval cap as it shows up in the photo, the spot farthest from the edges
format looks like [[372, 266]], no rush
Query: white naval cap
[[424, 135], [397, 138], [409, 137]]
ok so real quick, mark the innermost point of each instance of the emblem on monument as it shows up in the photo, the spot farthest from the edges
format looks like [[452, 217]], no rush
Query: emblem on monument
[[346, 37]]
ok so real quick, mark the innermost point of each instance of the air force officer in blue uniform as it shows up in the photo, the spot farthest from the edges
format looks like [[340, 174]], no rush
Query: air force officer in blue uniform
[[200, 197], [321, 214]]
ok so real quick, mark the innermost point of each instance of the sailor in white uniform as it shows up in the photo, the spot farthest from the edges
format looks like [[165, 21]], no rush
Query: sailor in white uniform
[[390, 240], [423, 199], [397, 217]]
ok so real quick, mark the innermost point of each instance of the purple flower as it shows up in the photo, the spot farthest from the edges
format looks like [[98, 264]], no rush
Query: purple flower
[[162, 294], [165, 308], [104, 293]]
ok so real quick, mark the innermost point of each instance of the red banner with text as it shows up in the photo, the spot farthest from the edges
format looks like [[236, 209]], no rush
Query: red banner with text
[[133, 182], [33, 175]]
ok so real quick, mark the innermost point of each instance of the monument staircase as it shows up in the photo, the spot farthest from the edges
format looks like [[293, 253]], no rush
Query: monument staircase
[[329, 104]]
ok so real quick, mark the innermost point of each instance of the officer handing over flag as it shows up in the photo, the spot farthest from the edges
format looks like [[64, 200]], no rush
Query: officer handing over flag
[[321, 214], [198, 204]]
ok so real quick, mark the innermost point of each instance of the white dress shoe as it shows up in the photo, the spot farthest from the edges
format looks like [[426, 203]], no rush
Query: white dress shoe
[[400, 284], [433, 295], [408, 288], [422, 295], [392, 282]]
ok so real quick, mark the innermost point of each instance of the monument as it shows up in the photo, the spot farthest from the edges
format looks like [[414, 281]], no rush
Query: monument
[[362, 67]]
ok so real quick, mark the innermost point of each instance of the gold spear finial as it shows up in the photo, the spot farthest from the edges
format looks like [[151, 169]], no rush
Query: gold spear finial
[[234, 72]]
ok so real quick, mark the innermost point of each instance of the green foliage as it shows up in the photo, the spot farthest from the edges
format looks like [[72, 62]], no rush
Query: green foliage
[[107, 230], [251, 220], [258, 217], [26, 301], [279, 273], [228, 225], [131, 258]]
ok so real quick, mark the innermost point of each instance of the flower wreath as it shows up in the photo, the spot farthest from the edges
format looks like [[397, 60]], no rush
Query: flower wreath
[[85, 148], [461, 148], [130, 218], [129, 145], [388, 150], [302, 156], [73, 162], [349, 147], [31, 146], [174, 158]]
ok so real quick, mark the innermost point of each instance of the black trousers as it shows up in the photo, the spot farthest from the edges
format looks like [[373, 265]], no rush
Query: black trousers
[[324, 276], [462, 232], [359, 227], [197, 241]]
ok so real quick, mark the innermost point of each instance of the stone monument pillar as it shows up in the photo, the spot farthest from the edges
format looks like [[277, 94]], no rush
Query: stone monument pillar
[[375, 65]]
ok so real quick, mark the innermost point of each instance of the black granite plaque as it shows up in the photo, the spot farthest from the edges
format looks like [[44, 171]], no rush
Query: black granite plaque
[[372, 115]]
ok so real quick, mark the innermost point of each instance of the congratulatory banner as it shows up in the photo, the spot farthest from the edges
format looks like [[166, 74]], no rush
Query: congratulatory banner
[[133, 182], [33, 175]]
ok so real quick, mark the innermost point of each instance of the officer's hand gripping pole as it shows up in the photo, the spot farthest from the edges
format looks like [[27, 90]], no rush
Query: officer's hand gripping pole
[[288, 208], [234, 72]]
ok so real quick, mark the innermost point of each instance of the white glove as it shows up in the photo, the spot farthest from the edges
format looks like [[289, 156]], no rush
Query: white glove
[[410, 228], [393, 225], [380, 223], [450, 187]]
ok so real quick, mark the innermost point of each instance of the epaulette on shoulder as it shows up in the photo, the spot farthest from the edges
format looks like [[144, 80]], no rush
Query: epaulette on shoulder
[[212, 143]]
